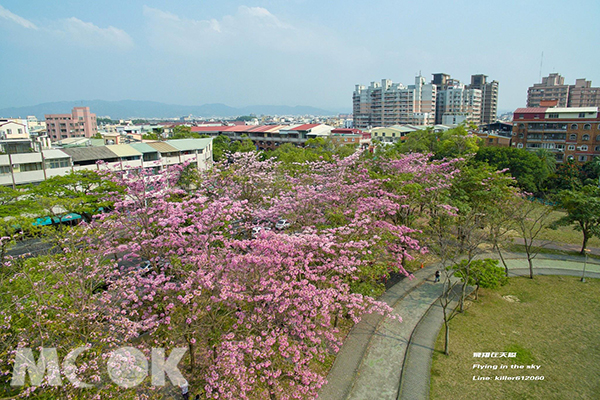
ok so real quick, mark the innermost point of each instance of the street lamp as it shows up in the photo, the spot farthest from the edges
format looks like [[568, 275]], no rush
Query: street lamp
[[587, 251]]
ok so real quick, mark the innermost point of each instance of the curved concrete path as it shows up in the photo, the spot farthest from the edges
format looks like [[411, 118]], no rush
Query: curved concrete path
[[369, 363], [385, 359]]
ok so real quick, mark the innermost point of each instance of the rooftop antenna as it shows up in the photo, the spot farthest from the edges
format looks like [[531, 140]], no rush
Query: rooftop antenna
[[541, 63]]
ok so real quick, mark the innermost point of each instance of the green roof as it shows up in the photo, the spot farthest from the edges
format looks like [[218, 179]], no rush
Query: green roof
[[143, 147], [190, 144]]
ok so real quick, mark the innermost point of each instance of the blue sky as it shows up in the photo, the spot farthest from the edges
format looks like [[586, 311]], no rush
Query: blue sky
[[294, 52]]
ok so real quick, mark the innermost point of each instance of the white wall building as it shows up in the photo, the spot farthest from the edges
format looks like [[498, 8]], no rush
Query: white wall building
[[23, 168]]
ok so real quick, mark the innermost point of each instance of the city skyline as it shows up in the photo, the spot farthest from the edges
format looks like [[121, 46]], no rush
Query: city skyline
[[301, 52]]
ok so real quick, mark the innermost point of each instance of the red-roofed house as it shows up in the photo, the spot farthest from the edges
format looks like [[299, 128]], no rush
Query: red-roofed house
[[568, 132]]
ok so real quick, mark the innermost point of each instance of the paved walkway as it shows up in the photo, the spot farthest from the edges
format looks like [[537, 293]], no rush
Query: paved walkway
[[384, 359], [363, 367], [547, 244]]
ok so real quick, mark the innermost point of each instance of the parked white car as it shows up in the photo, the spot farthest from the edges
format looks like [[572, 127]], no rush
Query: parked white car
[[282, 224]]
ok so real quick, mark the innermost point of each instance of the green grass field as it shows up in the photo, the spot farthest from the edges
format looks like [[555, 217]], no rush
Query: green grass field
[[555, 324], [566, 234]]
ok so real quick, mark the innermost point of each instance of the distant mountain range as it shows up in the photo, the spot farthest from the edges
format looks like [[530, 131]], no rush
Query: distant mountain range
[[126, 109]]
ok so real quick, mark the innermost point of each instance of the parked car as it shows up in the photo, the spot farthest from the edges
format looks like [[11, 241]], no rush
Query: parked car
[[282, 224]]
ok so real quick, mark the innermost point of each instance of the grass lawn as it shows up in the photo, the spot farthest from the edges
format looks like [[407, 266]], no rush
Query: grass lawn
[[555, 324], [566, 234]]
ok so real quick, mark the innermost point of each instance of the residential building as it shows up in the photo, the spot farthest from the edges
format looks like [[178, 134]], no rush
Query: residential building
[[32, 167], [489, 97], [268, 136], [442, 101], [457, 104], [582, 94], [13, 129], [553, 88], [570, 133], [386, 103], [80, 123]]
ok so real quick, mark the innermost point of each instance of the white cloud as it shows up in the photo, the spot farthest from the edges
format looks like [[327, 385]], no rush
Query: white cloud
[[249, 29], [4, 13], [87, 34]]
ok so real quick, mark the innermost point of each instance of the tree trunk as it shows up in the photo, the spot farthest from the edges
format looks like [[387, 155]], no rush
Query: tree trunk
[[585, 240], [530, 261], [192, 357], [502, 259], [447, 341], [463, 291]]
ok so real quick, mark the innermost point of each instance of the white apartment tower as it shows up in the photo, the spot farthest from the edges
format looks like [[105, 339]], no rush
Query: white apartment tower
[[388, 103], [458, 104]]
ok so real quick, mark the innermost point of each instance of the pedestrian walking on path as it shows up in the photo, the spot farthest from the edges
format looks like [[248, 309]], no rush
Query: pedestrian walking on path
[[437, 276], [185, 393]]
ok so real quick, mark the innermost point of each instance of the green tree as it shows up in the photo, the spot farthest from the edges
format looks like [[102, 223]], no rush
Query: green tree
[[482, 273], [583, 212], [423, 141], [245, 118], [457, 142], [530, 219], [150, 136], [81, 192], [220, 146], [244, 146], [184, 132], [548, 160], [524, 166], [17, 213]]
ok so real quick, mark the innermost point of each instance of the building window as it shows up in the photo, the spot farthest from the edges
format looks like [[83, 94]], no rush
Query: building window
[[585, 138], [519, 145], [573, 137], [574, 127], [31, 167], [520, 136], [582, 158], [581, 115], [552, 115], [587, 127], [571, 147], [521, 125], [4, 169], [583, 148], [597, 148], [58, 163]]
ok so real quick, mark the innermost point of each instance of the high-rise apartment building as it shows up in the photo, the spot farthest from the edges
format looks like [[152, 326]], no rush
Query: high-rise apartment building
[[489, 97], [386, 103], [80, 123], [553, 87], [442, 101], [458, 103], [582, 94]]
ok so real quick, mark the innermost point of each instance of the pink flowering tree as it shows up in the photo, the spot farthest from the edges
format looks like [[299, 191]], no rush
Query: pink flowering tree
[[184, 264]]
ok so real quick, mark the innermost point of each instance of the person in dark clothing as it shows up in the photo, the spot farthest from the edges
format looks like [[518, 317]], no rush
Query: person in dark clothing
[[185, 394], [437, 276]]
